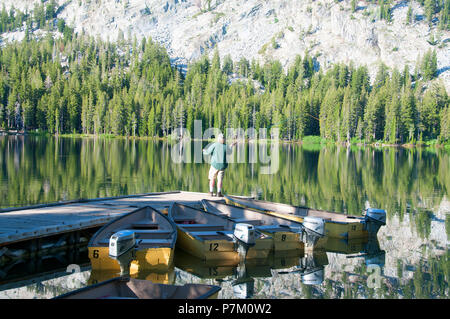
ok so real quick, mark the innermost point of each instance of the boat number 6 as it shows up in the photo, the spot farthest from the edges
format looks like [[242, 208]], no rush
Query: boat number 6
[[95, 254]]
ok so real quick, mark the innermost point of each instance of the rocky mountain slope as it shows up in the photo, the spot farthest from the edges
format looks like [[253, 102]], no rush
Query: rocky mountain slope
[[264, 29]]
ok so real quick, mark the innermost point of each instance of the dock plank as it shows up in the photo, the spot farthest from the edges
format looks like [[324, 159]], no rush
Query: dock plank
[[24, 223]]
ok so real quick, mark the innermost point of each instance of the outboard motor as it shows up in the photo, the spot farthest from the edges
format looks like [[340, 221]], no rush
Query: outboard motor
[[374, 219], [313, 276], [245, 237], [313, 271], [122, 248], [243, 289], [313, 230], [378, 259], [243, 286], [373, 254]]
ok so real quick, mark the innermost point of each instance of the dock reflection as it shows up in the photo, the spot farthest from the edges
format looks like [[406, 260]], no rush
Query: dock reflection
[[309, 265]]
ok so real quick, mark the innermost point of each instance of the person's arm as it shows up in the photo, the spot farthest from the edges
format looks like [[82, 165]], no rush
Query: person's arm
[[230, 148], [209, 150]]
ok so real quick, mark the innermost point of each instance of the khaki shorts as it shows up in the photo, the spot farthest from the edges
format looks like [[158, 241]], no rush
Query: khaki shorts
[[213, 173]]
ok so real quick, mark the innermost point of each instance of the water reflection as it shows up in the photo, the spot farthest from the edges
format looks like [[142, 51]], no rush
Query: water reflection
[[157, 275], [241, 276], [412, 185], [38, 169], [309, 266]]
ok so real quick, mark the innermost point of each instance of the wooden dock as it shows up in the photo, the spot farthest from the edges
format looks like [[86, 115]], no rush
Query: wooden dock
[[27, 223]]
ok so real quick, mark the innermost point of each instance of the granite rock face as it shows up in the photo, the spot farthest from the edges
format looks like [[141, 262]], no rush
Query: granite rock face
[[264, 30]]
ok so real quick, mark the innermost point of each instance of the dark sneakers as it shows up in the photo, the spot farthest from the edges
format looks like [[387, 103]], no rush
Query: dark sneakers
[[219, 194], [211, 194]]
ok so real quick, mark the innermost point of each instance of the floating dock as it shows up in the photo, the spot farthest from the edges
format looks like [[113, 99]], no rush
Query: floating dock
[[58, 233], [48, 220]]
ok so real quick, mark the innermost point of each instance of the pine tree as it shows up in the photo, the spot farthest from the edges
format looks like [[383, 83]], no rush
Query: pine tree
[[445, 124], [353, 4], [409, 15], [151, 123], [430, 8], [429, 65], [444, 18], [391, 128], [373, 115], [408, 115]]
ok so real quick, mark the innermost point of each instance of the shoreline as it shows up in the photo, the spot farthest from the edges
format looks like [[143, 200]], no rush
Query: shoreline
[[305, 142]]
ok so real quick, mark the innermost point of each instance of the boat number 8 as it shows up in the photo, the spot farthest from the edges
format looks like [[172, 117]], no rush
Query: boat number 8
[[213, 247], [283, 237]]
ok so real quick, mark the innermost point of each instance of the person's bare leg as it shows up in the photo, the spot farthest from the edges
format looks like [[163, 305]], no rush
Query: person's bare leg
[[211, 186], [219, 185]]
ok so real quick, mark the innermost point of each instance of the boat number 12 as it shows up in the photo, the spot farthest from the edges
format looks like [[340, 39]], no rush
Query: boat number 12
[[213, 246]]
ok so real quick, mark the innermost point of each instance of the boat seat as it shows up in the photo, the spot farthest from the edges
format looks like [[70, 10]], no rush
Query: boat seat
[[218, 234], [225, 232], [200, 227], [150, 231], [157, 241], [138, 234], [199, 233], [154, 235], [255, 222], [145, 226], [184, 221], [274, 228]]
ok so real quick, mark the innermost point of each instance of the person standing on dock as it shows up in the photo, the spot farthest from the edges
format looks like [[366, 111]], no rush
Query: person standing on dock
[[219, 151]]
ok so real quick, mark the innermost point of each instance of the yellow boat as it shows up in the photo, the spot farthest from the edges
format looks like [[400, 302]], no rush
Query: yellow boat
[[209, 236], [129, 288], [336, 225], [287, 234], [155, 237]]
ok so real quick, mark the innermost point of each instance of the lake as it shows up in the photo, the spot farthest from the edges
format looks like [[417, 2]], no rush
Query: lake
[[409, 259]]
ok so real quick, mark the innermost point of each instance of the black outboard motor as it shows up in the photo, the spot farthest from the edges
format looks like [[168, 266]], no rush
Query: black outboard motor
[[374, 219], [244, 289], [373, 254]]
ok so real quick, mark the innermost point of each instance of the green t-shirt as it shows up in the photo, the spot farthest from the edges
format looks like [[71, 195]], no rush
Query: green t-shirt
[[219, 153]]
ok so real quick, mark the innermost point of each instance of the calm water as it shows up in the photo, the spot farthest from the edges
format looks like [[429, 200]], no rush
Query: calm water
[[409, 260]]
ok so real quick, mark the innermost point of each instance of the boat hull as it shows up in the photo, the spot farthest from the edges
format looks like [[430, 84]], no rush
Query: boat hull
[[159, 258], [285, 241], [333, 229], [215, 249]]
